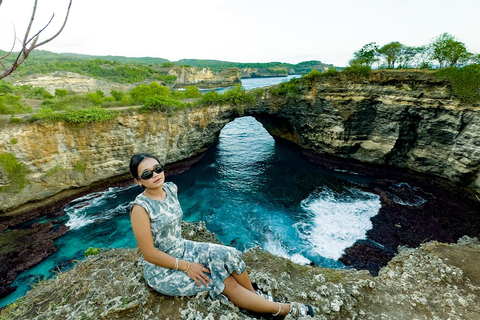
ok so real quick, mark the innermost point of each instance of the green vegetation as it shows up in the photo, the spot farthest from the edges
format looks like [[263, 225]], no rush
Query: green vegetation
[[445, 51], [92, 251], [115, 69], [357, 71], [162, 104], [15, 172], [14, 141], [87, 115], [237, 96], [192, 92], [465, 82], [13, 104], [290, 89]]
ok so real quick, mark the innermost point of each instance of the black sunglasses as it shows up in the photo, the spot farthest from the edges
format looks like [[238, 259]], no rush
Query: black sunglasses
[[147, 174]]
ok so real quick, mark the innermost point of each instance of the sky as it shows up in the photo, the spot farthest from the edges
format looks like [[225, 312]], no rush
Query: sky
[[240, 30]]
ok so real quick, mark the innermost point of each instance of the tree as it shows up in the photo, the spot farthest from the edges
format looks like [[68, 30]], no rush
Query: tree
[[448, 51], [365, 56], [29, 43], [391, 52]]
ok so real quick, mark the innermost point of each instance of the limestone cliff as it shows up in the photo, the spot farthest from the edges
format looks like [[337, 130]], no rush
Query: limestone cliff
[[72, 82], [395, 119], [435, 281], [204, 77], [402, 119], [61, 156]]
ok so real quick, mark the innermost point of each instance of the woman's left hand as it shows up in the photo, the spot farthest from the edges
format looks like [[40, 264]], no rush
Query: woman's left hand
[[197, 273]]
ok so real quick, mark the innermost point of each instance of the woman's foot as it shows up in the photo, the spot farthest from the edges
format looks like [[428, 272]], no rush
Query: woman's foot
[[295, 309]]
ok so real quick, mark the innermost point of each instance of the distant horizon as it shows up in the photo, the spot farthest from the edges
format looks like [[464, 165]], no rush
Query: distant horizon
[[139, 57]]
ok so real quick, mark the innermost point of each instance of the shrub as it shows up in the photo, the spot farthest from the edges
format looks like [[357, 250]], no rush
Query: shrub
[[88, 115], [238, 96], [13, 104], [192, 92], [330, 72], [465, 82], [15, 171], [143, 92], [161, 103], [211, 98], [6, 87], [290, 89], [92, 251], [117, 95], [61, 93], [357, 71], [313, 75]]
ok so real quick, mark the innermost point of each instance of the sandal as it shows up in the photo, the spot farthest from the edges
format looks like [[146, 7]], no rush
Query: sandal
[[302, 309]]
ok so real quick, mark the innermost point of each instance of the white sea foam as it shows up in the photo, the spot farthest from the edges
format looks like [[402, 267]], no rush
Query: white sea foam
[[338, 219], [84, 211], [275, 247]]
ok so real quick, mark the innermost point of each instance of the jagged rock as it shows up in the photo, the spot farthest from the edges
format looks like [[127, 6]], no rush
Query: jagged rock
[[424, 283]]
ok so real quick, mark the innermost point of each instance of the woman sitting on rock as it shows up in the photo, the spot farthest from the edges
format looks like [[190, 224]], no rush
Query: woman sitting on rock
[[178, 267]]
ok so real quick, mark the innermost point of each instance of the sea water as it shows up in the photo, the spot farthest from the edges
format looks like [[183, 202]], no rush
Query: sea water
[[249, 190]]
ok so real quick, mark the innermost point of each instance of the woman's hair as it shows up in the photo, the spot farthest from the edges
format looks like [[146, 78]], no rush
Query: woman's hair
[[137, 159]]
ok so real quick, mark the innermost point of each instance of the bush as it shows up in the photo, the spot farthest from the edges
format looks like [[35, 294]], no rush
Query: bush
[[161, 103], [238, 96], [357, 71], [290, 89], [465, 82], [313, 75], [6, 87], [117, 95], [211, 98], [13, 104], [143, 92], [16, 173], [61, 93], [92, 251], [192, 92], [89, 115]]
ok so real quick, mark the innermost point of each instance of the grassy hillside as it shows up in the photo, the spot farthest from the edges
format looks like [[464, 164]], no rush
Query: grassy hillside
[[135, 70]]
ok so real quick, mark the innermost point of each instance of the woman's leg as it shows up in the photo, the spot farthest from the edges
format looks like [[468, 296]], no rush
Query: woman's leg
[[246, 299], [244, 280]]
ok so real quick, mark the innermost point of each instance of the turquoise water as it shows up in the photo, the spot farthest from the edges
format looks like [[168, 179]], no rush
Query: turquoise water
[[248, 189]]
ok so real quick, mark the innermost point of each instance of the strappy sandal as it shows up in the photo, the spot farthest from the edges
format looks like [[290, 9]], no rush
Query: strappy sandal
[[302, 309], [295, 307]]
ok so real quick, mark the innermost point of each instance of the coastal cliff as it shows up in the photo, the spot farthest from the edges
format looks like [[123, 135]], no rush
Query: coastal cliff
[[204, 77], [52, 157], [393, 119], [434, 281], [73, 82], [405, 119]]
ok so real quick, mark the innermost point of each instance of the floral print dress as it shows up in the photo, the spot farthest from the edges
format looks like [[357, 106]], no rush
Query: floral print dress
[[166, 222]]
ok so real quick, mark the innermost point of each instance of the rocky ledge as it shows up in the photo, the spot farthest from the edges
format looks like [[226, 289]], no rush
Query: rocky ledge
[[434, 281]]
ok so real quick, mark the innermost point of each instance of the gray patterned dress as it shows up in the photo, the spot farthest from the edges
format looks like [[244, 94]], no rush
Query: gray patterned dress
[[166, 218]]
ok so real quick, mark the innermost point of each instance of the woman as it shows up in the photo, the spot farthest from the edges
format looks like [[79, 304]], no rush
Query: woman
[[175, 266]]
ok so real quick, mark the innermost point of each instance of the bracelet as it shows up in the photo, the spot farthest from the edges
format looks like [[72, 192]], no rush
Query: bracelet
[[188, 267], [279, 309], [176, 263]]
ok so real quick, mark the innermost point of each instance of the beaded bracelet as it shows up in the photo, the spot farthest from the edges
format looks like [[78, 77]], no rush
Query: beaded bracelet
[[176, 263]]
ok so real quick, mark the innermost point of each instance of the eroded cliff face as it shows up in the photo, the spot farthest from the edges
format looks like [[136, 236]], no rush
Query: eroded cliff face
[[400, 119], [73, 82], [60, 156], [204, 77], [395, 119]]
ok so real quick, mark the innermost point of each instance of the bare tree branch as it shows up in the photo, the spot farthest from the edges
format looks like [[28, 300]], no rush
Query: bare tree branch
[[28, 45]]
